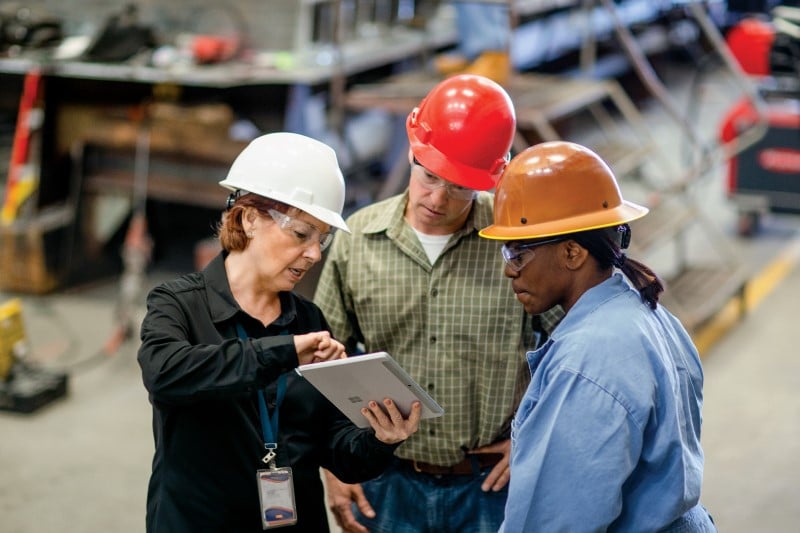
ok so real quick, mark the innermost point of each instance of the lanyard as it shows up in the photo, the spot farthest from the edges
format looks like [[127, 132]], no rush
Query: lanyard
[[269, 424]]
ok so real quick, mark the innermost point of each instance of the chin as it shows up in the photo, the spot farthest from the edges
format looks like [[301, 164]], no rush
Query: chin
[[530, 305]]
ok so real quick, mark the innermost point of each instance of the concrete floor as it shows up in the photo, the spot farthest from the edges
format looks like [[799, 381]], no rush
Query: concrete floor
[[81, 464]]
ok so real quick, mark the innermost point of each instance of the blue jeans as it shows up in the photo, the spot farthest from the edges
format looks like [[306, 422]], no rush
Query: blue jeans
[[409, 502]]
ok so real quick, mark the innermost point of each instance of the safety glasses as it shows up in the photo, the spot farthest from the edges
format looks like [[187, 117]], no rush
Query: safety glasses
[[432, 183], [517, 255], [304, 232]]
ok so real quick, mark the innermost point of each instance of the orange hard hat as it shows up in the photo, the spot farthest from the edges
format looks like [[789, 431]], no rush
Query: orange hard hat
[[556, 188], [462, 131]]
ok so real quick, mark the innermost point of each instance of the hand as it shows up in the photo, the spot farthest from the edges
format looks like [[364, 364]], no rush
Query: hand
[[317, 346], [499, 475], [389, 425], [340, 496]]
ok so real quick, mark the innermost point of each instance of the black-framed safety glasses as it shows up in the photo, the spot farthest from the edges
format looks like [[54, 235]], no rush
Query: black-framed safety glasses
[[519, 254]]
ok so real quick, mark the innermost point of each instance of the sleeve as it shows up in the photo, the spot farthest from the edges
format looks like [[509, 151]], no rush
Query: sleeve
[[571, 456], [355, 455], [179, 368], [332, 295]]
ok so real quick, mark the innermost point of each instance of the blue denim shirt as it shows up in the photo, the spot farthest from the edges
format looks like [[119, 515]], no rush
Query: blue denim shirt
[[607, 436]]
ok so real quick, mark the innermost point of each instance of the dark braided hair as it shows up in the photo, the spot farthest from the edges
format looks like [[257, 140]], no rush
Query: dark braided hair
[[606, 245]]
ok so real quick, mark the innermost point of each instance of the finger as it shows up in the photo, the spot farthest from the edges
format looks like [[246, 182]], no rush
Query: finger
[[346, 520], [380, 414], [340, 351], [323, 343], [395, 415], [363, 503], [498, 477], [376, 412], [502, 480], [415, 415]]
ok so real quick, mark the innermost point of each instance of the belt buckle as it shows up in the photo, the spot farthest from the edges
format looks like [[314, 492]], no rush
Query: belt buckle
[[417, 469]]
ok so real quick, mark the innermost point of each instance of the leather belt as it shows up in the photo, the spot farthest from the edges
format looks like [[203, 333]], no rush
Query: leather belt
[[462, 468]]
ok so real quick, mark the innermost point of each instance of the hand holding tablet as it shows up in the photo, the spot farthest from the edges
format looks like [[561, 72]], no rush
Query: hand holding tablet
[[351, 383]]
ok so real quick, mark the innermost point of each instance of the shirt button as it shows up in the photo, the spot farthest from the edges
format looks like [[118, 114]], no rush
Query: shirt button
[[433, 339], [431, 432], [434, 292], [430, 386]]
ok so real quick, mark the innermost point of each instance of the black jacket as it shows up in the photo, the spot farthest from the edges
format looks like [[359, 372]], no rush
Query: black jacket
[[203, 381]]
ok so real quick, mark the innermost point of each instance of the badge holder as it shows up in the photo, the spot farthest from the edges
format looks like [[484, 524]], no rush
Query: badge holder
[[276, 494]]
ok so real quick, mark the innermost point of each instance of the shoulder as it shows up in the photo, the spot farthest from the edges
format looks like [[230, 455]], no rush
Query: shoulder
[[181, 286], [482, 210], [377, 215]]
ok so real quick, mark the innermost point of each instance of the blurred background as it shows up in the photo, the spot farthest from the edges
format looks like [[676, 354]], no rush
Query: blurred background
[[118, 119]]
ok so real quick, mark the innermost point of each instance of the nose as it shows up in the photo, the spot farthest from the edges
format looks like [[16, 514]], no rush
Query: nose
[[440, 195], [509, 272], [313, 252]]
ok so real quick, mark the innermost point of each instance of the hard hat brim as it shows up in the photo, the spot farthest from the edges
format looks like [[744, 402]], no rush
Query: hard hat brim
[[327, 216], [622, 214]]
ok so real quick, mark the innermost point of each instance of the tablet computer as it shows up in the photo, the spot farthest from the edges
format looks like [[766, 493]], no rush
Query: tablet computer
[[352, 382]]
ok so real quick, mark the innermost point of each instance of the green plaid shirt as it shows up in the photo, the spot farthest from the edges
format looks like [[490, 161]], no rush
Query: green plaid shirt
[[455, 326]]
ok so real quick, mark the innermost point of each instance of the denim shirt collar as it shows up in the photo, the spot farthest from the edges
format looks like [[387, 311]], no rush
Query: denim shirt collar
[[587, 304]]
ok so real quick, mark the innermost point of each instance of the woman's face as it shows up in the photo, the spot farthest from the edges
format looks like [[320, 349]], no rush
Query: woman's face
[[539, 284], [284, 247]]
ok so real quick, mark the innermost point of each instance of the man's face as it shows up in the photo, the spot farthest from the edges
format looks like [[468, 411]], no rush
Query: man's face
[[436, 206]]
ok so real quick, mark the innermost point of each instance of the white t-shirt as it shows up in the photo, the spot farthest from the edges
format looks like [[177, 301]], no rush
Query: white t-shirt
[[433, 244]]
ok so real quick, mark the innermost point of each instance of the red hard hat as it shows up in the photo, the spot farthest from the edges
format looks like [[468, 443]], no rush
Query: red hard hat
[[462, 131]]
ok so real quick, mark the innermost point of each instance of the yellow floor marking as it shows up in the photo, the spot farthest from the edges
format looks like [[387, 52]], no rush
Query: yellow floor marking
[[758, 288]]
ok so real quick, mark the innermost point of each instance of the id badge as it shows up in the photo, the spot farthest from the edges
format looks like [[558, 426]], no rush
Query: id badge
[[276, 497]]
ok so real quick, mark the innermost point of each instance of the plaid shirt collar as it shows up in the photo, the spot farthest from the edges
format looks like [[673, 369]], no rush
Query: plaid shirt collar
[[392, 219]]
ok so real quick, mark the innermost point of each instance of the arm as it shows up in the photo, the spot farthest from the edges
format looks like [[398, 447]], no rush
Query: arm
[[572, 454], [184, 358]]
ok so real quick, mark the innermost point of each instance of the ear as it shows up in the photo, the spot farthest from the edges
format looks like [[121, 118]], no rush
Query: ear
[[249, 216], [575, 255], [410, 157]]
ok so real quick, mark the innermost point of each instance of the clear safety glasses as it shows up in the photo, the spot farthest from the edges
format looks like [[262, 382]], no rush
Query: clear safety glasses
[[517, 255], [431, 183], [304, 232]]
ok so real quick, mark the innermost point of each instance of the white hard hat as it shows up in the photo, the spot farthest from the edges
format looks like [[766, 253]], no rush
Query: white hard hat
[[293, 169]]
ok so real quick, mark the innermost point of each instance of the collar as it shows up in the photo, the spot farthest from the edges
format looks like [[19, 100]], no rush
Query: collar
[[390, 216], [590, 300], [221, 303]]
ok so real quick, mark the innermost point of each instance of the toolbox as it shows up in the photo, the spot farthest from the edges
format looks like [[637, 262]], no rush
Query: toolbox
[[765, 176], [24, 388]]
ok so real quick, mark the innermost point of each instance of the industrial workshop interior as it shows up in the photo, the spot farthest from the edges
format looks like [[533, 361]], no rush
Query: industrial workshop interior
[[118, 120]]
